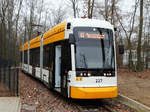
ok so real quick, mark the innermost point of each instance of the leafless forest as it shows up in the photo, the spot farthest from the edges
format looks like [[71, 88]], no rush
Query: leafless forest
[[22, 20]]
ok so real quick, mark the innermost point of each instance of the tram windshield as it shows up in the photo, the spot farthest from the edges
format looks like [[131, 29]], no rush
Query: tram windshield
[[94, 48]]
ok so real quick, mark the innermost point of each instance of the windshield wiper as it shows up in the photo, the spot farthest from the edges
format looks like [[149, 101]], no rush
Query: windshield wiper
[[102, 45], [103, 52], [84, 60]]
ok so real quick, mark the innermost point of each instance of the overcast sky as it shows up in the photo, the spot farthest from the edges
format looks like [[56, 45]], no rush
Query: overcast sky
[[125, 5]]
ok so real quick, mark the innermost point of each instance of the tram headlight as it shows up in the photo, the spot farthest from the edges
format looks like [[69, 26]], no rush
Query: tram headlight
[[85, 74], [81, 74], [108, 74], [89, 74]]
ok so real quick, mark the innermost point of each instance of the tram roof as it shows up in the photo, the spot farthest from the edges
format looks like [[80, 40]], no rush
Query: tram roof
[[49, 37]]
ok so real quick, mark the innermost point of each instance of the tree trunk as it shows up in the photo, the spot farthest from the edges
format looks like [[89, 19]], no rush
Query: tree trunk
[[89, 8], [74, 8], [106, 10], [112, 12], [92, 8], [139, 60]]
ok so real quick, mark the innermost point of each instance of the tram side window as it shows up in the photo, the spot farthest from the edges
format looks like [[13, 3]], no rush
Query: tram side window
[[35, 57], [46, 57], [51, 57], [25, 57], [31, 56]]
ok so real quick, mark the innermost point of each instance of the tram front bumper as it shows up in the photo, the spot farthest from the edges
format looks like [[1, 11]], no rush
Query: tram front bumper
[[93, 92]]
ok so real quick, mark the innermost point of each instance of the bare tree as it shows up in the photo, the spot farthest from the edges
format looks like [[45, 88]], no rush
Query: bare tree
[[147, 33], [106, 10], [139, 60], [3, 28], [16, 45], [88, 8], [57, 16], [32, 5], [17, 17], [40, 12], [75, 7], [128, 33], [112, 11], [45, 21]]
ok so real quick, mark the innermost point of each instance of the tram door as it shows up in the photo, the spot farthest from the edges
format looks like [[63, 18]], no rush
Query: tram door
[[58, 66]]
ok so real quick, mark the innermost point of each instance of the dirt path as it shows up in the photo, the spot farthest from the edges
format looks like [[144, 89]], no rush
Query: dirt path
[[4, 91], [135, 85]]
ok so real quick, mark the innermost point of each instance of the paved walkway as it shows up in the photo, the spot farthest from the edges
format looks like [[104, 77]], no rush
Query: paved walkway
[[10, 104]]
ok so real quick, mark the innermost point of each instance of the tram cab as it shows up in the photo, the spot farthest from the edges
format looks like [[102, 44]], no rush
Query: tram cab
[[93, 73]]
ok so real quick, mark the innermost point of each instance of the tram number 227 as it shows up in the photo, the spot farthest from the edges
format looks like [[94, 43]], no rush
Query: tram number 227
[[99, 80]]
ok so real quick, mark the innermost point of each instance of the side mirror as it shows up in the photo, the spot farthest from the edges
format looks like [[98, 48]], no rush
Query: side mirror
[[115, 29], [68, 25], [71, 39], [121, 49]]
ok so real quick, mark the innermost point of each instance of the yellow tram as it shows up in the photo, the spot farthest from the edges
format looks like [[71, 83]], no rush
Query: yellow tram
[[76, 58]]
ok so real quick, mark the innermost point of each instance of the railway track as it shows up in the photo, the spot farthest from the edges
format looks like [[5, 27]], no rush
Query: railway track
[[89, 108], [94, 106], [108, 108]]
